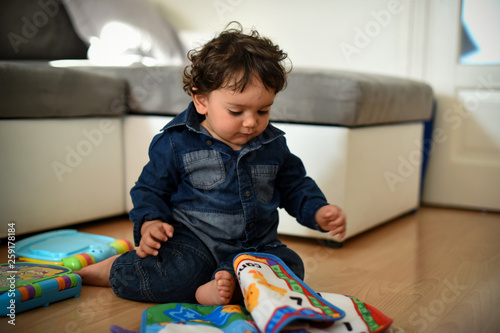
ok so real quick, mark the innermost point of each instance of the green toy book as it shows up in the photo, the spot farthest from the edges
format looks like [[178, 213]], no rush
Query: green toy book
[[25, 285]]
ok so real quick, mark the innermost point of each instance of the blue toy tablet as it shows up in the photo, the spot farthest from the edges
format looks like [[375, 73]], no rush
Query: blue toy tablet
[[69, 248], [24, 286]]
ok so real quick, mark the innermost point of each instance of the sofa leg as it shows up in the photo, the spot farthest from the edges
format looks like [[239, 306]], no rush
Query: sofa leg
[[330, 243]]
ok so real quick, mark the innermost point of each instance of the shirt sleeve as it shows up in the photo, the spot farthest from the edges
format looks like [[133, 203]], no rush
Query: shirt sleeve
[[300, 195], [158, 181]]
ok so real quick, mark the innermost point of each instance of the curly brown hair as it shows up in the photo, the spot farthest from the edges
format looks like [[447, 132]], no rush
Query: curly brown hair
[[230, 59]]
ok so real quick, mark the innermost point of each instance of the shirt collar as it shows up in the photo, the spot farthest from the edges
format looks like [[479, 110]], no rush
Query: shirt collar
[[189, 118], [192, 120]]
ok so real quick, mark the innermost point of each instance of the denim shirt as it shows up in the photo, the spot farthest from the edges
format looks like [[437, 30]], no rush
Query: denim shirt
[[228, 198]]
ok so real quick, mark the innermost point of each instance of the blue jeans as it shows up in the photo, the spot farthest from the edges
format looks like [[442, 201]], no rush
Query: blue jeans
[[182, 265]]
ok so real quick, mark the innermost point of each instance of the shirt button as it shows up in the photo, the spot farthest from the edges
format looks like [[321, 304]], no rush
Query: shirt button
[[250, 225], [247, 193], [209, 142]]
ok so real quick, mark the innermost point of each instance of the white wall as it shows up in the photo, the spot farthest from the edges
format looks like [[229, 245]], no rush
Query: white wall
[[359, 35], [464, 164]]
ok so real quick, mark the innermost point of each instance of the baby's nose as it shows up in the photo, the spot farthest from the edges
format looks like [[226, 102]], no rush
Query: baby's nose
[[249, 122]]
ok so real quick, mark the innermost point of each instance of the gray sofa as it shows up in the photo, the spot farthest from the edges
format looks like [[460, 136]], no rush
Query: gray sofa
[[73, 139]]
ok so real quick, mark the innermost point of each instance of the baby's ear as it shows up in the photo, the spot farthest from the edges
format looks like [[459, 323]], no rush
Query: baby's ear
[[200, 102]]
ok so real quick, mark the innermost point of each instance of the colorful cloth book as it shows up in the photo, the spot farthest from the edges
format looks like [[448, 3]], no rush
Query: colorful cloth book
[[275, 299]]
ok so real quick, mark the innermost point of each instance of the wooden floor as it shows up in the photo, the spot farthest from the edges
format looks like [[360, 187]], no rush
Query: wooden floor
[[437, 270]]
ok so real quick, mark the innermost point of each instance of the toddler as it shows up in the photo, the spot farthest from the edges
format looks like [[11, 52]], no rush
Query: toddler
[[216, 175]]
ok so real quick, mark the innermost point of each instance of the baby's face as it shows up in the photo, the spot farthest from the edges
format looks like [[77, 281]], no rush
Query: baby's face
[[236, 117]]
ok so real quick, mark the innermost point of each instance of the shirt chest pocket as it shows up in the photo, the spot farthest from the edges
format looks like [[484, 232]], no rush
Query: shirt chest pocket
[[263, 179], [205, 169]]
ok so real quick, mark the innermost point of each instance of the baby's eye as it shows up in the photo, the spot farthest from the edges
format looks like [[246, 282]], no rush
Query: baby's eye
[[263, 112], [234, 113]]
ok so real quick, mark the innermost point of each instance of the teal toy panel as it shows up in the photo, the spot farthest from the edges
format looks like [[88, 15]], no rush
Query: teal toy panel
[[70, 248]]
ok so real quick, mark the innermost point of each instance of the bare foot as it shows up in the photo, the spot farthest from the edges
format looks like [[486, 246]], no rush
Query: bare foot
[[97, 274], [218, 291]]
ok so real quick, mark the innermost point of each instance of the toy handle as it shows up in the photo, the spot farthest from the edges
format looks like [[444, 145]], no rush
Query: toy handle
[[78, 261], [122, 246]]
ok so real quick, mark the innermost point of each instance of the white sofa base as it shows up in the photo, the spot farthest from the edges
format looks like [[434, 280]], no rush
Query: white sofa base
[[372, 172], [57, 172]]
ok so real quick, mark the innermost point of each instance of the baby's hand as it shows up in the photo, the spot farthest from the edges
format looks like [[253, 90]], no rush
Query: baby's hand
[[332, 218], [153, 234]]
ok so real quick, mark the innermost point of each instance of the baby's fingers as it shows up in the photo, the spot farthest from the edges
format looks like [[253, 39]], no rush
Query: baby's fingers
[[143, 251], [338, 233], [168, 230], [156, 234], [150, 243], [338, 226]]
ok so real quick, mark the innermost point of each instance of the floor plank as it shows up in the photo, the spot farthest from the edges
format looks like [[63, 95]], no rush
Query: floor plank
[[437, 270]]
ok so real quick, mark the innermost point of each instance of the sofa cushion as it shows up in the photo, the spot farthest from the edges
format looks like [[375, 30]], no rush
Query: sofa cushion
[[351, 99], [152, 90], [312, 96], [35, 89], [35, 30]]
